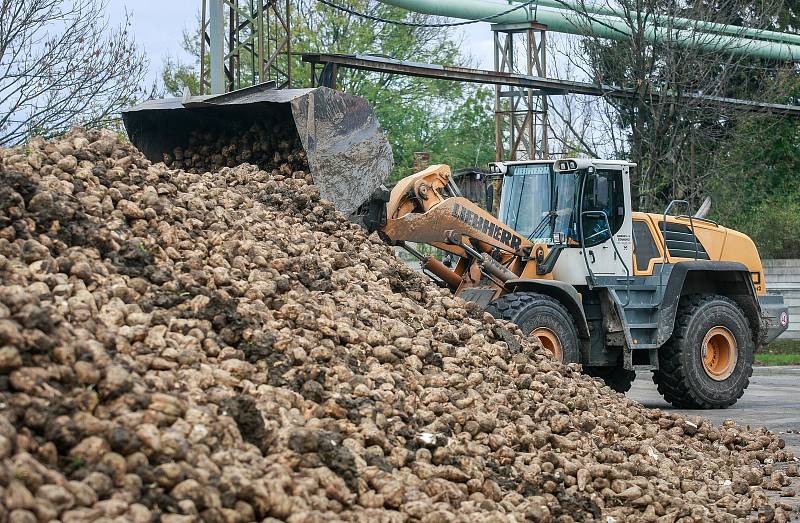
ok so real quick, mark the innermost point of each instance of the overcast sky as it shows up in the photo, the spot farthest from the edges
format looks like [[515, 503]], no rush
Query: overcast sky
[[159, 24]]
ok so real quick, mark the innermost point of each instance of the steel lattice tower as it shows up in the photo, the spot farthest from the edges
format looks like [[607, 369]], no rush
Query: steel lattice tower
[[256, 49], [521, 125]]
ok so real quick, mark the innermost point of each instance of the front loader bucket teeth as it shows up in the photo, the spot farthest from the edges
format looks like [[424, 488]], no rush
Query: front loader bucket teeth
[[347, 153]]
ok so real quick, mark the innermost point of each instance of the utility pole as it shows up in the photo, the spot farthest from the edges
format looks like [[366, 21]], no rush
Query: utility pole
[[217, 46]]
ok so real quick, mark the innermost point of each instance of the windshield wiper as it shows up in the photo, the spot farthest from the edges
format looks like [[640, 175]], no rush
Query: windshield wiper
[[519, 202], [545, 221]]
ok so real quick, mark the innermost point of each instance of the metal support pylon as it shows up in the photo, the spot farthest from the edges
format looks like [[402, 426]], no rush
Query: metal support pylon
[[521, 125], [258, 47]]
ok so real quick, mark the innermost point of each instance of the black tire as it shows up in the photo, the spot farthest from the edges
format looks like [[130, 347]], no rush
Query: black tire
[[531, 311], [617, 378], [682, 378]]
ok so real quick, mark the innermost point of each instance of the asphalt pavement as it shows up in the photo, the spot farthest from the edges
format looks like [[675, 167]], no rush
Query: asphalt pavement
[[772, 400]]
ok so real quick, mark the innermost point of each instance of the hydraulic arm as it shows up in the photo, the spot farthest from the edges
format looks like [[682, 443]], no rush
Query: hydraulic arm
[[428, 208]]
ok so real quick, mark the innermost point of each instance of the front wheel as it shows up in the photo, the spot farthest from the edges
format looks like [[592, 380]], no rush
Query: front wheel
[[543, 317], [708, 362]]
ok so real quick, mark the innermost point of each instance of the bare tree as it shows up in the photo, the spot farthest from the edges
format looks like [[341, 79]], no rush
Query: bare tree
[[60, 65], [664, 129], [580, 124]]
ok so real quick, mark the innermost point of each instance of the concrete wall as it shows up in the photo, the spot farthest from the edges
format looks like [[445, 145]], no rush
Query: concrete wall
[[783, 276]]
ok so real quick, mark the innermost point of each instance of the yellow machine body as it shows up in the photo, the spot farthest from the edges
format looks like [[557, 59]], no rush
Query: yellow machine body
[[721, 244]]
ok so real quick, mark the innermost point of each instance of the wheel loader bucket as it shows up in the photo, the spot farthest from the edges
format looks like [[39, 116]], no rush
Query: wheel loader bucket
[[347, 153]]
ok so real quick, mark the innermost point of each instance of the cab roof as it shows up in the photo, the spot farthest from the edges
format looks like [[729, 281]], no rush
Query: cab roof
[[552, 161]]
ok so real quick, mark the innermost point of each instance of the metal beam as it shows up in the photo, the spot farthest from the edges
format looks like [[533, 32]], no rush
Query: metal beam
[[521, 120], [217, 31], [257, 49], [549, 86]]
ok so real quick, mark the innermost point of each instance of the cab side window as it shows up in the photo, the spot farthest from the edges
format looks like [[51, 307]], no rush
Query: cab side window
[[644, 245], [602, 192]]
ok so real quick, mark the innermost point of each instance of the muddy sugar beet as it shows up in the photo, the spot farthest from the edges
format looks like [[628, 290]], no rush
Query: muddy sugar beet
[[274, 147], [194, 346]]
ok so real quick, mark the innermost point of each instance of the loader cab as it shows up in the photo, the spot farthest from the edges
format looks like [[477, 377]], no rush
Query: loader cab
[[575, 205]]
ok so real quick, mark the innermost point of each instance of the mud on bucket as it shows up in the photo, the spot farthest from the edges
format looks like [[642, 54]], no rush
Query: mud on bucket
[[347, 153]]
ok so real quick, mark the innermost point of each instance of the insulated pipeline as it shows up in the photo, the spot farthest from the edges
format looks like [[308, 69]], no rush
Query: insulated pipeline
[[673, 21], [604, 26]]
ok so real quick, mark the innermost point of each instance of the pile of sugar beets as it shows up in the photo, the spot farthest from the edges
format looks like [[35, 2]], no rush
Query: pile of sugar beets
[[225, 346]]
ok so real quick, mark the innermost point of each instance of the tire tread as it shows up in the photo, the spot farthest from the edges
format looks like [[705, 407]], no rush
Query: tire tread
[[508, 307], [670, 379]]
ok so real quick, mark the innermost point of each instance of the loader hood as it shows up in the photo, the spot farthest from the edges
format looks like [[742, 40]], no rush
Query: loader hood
[[347, 152]]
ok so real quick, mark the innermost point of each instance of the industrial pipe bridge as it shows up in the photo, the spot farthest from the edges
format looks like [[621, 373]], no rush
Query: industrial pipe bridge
[[544, 86], [521, 89]]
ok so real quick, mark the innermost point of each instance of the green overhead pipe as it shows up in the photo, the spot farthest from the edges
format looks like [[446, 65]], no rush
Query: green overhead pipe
[[673, 21], [603, 26]]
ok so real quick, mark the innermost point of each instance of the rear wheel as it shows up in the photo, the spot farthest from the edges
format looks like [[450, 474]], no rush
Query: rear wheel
[[617, 378], [543, 317], [708, 362]]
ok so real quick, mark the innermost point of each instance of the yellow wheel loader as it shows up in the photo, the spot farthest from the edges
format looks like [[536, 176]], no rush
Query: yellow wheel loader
[[566, 259], [615, 290]]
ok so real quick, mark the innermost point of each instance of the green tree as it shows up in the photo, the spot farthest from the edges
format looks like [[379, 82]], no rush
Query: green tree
[[177, 75], [465, 137], [753, 181], [670, 136]]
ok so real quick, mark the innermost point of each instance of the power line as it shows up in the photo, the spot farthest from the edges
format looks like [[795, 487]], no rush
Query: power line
[[413, 24]]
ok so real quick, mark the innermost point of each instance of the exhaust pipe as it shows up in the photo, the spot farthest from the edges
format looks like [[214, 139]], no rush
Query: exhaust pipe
[[702, 212]]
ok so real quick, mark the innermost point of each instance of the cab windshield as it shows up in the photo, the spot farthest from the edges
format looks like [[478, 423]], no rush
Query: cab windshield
[[537, 202]]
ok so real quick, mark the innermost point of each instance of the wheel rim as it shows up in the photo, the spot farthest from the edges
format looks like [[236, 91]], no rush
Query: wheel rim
[[549, 341], [719, 353]]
